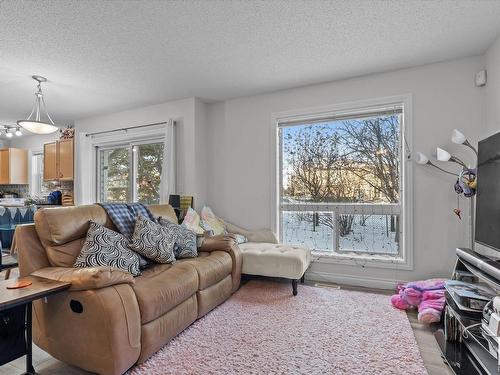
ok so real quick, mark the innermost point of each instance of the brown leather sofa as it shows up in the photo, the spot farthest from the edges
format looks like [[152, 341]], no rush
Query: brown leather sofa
[[109, 320]]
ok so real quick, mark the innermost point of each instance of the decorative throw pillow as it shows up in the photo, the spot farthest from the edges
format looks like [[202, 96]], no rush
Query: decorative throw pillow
[[192, 221], [105, 247], [185, 242], [240, 238], [211, 222], [153, 241]]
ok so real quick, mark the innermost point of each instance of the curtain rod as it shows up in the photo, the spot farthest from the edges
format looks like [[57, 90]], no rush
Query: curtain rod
[[129, 128]]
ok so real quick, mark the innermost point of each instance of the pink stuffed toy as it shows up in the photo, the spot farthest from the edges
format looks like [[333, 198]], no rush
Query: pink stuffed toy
[[427, 296]]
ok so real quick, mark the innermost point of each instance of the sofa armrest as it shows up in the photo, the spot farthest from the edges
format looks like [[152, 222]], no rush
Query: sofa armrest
[[217, 243], [263, 235], [97, 330], [86, 278], [227, 244]]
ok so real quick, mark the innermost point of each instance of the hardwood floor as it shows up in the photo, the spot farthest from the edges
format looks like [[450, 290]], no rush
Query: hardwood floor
[[428, 347], [47, 365]]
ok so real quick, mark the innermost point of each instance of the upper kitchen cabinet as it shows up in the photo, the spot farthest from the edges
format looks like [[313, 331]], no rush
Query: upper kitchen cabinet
[[66, 159], [58, 159], [50, 161], [13, 166]]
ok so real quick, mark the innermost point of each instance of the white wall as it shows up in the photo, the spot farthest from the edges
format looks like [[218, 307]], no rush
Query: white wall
[[183, 111], [33, 142], [492, 100], [444, 97]]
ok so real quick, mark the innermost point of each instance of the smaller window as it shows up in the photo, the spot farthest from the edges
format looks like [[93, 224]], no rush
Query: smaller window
[[130, 172], [38, 186]]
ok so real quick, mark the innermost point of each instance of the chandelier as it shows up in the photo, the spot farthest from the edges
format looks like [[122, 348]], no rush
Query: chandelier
[[35, 123]]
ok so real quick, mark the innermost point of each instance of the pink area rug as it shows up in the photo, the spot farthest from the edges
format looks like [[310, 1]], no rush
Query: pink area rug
[[263, 329]]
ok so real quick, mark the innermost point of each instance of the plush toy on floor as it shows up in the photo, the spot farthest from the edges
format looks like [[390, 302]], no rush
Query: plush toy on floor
[[427, 296]]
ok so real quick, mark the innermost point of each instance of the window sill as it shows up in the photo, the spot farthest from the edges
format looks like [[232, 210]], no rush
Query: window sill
[[353, 259]]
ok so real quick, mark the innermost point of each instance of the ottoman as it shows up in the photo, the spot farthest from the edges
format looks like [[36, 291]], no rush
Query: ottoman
[[275, 260]]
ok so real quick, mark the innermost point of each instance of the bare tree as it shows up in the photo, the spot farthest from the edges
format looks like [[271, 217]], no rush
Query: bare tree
[[312, 158], [317, 173], [373, 145]]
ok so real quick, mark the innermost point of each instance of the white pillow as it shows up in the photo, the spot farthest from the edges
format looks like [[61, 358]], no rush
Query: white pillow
[[192, 221]]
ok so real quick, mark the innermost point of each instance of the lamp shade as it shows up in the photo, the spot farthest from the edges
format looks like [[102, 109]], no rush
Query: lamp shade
[[442, 155], [421, 158], [458, 137], [37, 127]]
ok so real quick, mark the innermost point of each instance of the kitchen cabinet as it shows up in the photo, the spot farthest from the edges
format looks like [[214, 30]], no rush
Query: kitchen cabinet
[[13, 166], [58, 160], [50, 161]]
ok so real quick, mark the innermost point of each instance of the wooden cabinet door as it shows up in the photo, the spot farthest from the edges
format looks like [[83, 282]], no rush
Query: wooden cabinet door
[[4, 166], [66, 159], [50, 161], [18, 166]]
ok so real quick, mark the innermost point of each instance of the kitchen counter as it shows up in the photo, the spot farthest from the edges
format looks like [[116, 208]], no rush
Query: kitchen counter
[[12, 202]]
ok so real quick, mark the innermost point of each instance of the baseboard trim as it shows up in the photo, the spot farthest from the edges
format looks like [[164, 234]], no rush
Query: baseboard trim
[[367, 282]]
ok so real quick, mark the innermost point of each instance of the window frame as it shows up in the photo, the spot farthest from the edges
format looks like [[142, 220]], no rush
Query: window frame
[[405, 259], [36, 193], [133, 161]]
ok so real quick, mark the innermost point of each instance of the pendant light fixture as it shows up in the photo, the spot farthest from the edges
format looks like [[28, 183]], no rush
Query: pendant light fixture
[[35, 123]]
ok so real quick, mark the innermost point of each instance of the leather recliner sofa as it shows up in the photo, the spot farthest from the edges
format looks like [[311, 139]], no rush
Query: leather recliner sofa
[[108, 320]]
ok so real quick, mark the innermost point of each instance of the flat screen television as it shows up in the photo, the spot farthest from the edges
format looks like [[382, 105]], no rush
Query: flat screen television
[[487, 232]]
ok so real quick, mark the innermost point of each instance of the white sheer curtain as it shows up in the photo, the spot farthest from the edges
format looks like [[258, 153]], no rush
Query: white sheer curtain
[[84, 153], [168, 173]]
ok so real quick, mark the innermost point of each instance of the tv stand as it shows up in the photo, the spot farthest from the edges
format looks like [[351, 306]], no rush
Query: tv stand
[[467, 355]]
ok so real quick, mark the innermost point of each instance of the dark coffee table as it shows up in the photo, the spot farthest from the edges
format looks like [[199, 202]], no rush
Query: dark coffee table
[[16, 319]]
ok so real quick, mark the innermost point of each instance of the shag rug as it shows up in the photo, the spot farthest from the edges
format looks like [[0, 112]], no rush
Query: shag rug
[[263, 329]]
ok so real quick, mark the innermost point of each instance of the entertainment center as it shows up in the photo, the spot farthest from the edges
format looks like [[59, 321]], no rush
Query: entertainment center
[[469, 334]]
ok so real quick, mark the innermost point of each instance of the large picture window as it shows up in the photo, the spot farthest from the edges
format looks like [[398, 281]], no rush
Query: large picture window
[[130, 172], [341, 182]]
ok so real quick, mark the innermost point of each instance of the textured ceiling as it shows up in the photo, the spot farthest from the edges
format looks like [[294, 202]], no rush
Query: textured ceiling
[[105, 56]]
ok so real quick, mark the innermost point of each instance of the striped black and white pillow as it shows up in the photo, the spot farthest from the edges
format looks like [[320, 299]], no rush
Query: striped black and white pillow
[[105, 247], [185, 239], [153, 241]]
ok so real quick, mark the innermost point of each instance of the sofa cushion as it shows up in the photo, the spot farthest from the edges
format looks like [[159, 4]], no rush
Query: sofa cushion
[[162, 287], [153, 241], [65, 255], [59, 225], [211, 267], [105, 247]]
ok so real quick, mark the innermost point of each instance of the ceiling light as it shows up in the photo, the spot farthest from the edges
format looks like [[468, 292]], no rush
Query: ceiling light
[[8, 134], [18, 132], [34, 123]]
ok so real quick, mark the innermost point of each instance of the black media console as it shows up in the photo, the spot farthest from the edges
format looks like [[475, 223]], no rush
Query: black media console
[[463, 347]]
